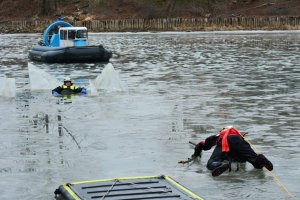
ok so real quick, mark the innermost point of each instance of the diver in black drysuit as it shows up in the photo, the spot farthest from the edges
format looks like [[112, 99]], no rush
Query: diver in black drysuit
[[230, 146]]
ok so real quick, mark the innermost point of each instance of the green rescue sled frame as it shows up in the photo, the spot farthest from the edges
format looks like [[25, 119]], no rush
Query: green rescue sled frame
[[128, 188]]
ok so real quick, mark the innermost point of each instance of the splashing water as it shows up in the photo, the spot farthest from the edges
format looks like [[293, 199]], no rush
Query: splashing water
[[41, 80], [109, 80], [7, 87]]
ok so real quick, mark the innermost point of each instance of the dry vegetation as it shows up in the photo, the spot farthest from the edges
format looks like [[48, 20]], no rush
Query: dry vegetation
[[146, 9]]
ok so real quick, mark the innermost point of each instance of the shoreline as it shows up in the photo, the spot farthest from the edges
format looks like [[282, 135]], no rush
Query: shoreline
[[225, 32], [164, 25]]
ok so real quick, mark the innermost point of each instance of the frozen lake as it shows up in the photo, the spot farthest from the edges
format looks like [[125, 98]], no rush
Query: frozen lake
[[179, 87]]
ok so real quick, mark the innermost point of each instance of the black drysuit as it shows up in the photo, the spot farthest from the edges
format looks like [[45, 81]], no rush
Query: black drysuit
[[240, 151]]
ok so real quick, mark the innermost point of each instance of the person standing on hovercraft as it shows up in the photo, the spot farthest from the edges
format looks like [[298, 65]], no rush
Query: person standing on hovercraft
[[68, 88]]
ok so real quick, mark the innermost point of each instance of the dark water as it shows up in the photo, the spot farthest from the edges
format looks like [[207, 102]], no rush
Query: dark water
[[180, 87]]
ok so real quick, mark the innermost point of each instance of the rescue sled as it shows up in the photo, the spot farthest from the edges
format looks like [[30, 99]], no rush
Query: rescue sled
[[130, 188]]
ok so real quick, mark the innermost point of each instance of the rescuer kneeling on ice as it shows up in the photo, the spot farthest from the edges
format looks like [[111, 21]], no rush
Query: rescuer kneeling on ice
[[230, 146]]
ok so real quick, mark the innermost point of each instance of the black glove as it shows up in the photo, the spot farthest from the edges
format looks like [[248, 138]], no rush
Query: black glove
[[198, 150]]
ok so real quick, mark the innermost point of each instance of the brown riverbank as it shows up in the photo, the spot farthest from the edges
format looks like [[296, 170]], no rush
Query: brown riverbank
[[31, 16], [164, 24]]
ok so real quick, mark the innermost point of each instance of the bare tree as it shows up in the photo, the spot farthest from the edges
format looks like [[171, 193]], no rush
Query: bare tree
[[46, 7]]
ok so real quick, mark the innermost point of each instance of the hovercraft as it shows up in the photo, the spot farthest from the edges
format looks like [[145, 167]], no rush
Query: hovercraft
[[63, 43]]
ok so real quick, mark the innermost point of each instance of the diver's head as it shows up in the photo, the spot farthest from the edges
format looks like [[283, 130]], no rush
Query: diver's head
[[67, 81]]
